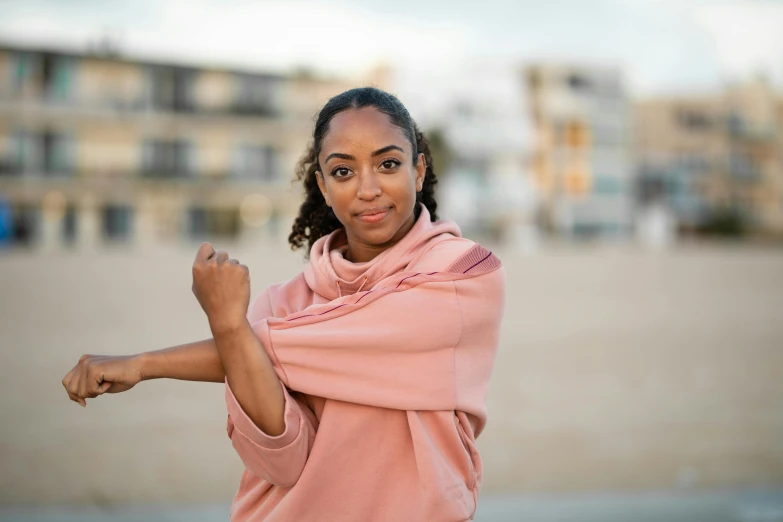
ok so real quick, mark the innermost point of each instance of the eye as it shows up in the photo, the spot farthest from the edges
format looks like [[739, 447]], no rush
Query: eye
[[341, 172], [390, 164]]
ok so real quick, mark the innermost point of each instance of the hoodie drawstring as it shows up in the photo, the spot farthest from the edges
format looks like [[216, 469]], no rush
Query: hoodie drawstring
[[340, 290], [360, 286]]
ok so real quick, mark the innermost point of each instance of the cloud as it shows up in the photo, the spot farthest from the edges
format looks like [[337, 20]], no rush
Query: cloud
[[747, 36], [273, 33], [662, 45]]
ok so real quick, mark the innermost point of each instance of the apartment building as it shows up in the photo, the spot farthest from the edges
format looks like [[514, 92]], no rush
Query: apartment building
[[98, 148], [581, 151], [709, 155]]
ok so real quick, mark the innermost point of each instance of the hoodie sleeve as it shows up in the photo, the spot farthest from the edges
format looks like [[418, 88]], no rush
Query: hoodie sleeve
[[277, 459], [427, 347]]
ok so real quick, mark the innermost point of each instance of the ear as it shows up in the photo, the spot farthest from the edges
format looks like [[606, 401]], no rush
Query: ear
[[421, 170], [322, 185]]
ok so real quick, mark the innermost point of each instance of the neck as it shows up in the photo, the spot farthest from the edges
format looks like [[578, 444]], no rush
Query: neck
[[360, 252]]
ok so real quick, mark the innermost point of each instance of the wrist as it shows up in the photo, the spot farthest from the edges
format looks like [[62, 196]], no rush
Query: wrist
[[227, 327], [145, 366]]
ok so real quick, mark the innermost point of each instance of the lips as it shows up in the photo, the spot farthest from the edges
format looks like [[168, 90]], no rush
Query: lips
[[373, 215]]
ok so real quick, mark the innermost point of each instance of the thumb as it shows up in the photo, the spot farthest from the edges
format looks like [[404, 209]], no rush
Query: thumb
[[105, 385]]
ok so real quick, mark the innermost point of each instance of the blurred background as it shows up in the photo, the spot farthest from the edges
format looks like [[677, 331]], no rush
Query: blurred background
[[623, 158]]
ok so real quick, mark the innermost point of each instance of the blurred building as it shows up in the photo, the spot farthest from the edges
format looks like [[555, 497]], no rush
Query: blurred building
[[581, 157], [479, 133], [715, 160], [98, 148]]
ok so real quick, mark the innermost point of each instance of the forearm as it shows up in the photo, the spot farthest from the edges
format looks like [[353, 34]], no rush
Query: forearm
[[197, 361], [252, 377]]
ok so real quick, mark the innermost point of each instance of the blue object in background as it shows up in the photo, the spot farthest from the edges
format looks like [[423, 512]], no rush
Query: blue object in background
[[6, 223]]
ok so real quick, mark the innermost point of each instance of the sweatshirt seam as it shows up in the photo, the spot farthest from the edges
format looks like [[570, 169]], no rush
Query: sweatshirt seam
[[266, 448], [271, 351], [457, 343], [275, 359]]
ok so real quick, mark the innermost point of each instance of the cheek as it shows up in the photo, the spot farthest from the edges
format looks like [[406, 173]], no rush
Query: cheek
[[404, 188], [340, 194]]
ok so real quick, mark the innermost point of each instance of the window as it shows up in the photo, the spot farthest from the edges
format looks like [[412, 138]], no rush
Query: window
[[736, 124], [22, 152], [694, 120], [168, 159], [56, 153], [211, 222], [171, 88], [256, 94], [23, 67], [742, 166], [46, 152], [117, 222], [578, 82], [694, 162], [255, 162], [57, 74]]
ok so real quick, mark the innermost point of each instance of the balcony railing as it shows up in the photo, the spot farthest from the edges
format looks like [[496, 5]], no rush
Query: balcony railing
[[142, 106]]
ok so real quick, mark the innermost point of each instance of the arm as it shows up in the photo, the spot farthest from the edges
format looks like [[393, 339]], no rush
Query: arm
[[271, 429], [251, 376], [197, 361], [222, 287], [268, 428], [94, 375]]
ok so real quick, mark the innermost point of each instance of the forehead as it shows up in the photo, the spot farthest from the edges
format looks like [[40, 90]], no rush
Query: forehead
[[358, 129]]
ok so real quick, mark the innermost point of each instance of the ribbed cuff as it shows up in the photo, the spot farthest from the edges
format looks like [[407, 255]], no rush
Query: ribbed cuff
[[243, 423]]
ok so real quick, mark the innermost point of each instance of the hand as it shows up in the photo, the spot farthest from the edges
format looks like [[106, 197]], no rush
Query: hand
[[94, 375], [222, 287]]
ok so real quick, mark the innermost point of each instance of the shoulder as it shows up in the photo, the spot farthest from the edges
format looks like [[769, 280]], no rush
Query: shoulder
[[457, 255], [442, 254]]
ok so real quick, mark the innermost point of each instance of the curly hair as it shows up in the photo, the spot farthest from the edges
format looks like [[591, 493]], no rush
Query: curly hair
[[316, 219]]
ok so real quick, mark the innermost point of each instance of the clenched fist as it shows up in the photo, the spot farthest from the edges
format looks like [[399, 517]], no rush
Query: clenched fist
[[222, 287], [94, 375]]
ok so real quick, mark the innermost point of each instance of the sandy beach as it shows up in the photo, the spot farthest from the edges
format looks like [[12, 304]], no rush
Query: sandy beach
[[619, 371]]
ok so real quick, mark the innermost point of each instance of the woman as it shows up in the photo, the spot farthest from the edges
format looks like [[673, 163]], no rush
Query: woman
[[355, 391]]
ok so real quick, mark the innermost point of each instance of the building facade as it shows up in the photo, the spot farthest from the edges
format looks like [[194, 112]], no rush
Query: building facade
[[714, 158], [97, 149], [581, 157]]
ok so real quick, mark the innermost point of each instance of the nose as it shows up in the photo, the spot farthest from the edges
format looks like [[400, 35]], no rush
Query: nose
[[369, 185]]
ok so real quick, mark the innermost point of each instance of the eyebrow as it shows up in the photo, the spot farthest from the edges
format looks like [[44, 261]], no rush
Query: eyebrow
[[376, 153]]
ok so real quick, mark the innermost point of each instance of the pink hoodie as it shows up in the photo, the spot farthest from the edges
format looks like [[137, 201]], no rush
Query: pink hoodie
[[385, 367]]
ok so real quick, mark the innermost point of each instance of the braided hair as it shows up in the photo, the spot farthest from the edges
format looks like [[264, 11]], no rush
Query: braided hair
[[316, 219]]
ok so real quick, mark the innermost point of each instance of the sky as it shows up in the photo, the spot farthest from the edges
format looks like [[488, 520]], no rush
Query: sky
[[661, 46]]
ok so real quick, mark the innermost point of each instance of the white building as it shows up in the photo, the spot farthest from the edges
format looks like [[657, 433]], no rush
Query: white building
[[478, 110], [582, 158]]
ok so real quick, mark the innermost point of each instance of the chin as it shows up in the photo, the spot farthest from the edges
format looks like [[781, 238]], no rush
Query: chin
[[377, 237]]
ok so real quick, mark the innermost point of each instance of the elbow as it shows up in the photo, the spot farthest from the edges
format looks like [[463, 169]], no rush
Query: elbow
[[279, 466]]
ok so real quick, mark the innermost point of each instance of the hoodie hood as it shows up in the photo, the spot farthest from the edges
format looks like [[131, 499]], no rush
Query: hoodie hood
[[330, 275]]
